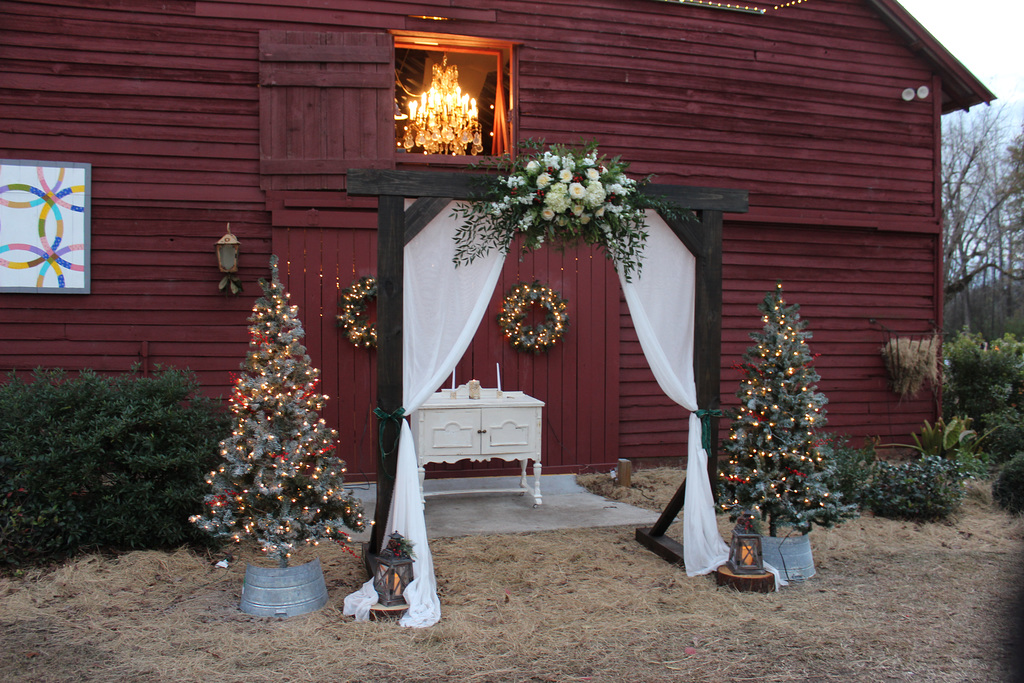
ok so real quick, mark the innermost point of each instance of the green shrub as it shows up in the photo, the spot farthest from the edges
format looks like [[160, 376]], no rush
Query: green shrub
[[923, 490], [955, 441], [850, 468], [103, 462], [1008, 488], [1005, 433], [982, 377]]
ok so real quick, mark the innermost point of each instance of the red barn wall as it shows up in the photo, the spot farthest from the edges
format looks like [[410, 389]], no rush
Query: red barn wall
[[800, 106]]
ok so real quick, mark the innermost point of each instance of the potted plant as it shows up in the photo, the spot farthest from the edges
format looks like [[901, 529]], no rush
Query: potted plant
[[776, 469], [281, 480]]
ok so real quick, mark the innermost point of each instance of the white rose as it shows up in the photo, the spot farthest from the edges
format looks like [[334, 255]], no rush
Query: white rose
[[565, 175], [585, 218], [533, 166], [577, 191], [577, 209], [543, 180], [547, 214], [593, 174]]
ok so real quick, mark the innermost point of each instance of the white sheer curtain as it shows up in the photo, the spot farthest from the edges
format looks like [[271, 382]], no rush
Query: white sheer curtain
[[661, 303], [443, 306]]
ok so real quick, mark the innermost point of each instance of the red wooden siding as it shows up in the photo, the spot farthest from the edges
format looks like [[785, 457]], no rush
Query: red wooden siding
[[800, 106], [578, 378]]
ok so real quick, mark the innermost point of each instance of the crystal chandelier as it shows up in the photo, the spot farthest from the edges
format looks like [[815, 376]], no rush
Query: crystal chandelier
[[443, 120]]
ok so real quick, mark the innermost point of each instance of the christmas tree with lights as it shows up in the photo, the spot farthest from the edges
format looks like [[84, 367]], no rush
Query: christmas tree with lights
[[281, 481], [775, 467]]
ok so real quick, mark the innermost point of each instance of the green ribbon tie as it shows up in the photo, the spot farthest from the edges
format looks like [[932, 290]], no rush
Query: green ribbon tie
[[705, 415], [385, 418]]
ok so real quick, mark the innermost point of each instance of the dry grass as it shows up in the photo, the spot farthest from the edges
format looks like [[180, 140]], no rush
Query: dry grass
[[910, 362], [892, 601]]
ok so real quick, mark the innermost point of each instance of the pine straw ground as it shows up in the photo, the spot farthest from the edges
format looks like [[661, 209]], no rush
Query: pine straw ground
[[892, 601]]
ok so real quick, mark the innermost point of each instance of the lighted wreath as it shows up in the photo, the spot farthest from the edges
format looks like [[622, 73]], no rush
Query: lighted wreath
[[515, 309], [564, 197], [353, 318]]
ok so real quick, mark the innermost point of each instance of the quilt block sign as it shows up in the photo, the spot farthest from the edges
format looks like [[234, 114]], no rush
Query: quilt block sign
[[44, 226]]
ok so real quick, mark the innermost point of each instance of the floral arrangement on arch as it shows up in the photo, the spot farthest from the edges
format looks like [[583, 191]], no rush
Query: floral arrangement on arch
[[561, 196]]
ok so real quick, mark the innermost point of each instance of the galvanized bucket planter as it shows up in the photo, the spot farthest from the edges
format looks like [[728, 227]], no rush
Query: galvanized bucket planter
[[284, 592], [791, 555]]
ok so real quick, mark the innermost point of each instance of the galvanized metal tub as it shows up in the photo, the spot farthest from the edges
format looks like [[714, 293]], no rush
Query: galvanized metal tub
[[791, 555], [283, 592]]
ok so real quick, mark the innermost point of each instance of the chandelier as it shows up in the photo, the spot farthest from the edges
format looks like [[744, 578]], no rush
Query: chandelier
[[443, 120]]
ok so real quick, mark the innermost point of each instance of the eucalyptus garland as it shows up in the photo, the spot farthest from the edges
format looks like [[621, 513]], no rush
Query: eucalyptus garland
[[564, 197], [515, 309], [353, 318]]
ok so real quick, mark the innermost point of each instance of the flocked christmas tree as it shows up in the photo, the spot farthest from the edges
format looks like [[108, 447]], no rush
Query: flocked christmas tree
[[775, 467], [281, 481]]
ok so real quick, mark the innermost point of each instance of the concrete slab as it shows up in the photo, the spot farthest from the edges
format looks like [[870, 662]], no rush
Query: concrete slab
[[566, 505]]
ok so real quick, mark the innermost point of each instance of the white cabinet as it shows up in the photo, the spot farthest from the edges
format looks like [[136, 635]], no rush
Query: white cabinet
[[501, 425]]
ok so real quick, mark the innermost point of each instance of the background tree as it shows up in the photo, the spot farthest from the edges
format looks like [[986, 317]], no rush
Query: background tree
[[983, 235], [281, 481]]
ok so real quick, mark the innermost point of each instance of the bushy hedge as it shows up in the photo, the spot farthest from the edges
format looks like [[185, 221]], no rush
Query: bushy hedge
[[926, 490], [982, 377], [102, 462], [1008, 488]]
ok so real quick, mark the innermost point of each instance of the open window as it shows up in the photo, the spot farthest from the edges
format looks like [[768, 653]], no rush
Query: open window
[[452, 96]]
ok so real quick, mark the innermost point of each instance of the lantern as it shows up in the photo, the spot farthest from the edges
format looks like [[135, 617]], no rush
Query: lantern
[[227, 252], [393, 571], [745, 548]]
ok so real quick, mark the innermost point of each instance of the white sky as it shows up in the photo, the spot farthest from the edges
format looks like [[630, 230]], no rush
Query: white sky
[[985, 35]]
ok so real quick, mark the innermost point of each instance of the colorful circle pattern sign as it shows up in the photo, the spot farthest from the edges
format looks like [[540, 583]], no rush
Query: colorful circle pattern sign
[[43, 226]]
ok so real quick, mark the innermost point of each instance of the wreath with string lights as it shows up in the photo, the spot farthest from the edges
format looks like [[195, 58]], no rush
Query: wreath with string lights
[[515, 309], [353, 318]]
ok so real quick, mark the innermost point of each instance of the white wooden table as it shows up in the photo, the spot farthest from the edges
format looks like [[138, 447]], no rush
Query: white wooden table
[[451, 427]]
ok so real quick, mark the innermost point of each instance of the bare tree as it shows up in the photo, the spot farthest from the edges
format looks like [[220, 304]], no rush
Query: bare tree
[[976, 187]]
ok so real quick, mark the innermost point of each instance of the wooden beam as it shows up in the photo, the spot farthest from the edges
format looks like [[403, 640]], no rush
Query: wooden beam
[[702, 198], [708, 330], [422, 211], [707, 360], [367, 181], [661, 545], [390, 270]]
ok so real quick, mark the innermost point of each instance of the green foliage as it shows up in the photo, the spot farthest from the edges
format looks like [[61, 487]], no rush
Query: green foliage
[[1005, 433], [953, 440], [924, 490], [982, 377], [850, 468], [1008, 488], [100, 461], [776, 468]]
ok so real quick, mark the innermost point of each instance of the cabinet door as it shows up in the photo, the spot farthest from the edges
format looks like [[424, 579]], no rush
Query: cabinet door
[[451, 431], [509, 430]]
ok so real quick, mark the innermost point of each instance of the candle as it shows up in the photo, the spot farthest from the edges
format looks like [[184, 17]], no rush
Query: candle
[[453, 379], [497, 367]]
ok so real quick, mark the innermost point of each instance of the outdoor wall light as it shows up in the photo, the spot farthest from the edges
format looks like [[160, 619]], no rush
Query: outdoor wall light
[[227, 252], [228, 248], [745, 548]]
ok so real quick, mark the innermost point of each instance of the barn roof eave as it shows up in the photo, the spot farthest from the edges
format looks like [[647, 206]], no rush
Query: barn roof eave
[[960, 88]]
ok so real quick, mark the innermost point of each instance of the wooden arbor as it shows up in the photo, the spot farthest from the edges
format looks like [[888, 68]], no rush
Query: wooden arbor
[[396, 226]]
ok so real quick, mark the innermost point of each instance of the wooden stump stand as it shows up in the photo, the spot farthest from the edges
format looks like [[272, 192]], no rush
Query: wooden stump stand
[[748, 583], [381, 613]]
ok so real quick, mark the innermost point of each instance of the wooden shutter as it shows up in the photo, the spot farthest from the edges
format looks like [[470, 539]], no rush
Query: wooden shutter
[[326, 105]]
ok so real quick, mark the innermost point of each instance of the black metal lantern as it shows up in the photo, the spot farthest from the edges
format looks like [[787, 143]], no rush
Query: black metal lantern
[[392, 572], [745, 549], [227, 252]]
